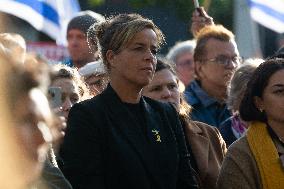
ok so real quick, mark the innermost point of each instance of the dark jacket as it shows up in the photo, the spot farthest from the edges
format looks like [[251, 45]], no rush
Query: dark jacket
[[205, 108], [226, 131], [103, 147]]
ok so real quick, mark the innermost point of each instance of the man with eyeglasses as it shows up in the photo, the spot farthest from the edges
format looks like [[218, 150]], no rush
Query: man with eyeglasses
[[215, 57]]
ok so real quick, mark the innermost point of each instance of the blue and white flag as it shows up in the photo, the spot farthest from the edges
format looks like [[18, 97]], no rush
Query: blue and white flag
[[48, 16], [269, 13]]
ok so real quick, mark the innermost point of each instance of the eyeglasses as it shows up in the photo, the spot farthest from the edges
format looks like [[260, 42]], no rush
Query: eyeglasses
[[185, 63], [225, 60]]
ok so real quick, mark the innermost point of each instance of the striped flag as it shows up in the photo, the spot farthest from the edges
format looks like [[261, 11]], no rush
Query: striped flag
[[48, 16], [269, 13]]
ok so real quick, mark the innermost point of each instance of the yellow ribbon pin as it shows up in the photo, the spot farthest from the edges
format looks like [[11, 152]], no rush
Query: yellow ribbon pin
[[157, 135]]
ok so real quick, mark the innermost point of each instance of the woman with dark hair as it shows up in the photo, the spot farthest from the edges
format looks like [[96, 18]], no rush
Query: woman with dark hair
[[205, 142], [257, 159], [119, 139]]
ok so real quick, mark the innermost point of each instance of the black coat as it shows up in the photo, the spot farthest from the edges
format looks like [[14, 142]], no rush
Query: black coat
[[226, 131], [103, 149]]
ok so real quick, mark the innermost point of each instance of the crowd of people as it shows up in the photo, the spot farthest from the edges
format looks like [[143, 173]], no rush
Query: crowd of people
[[118, 114]]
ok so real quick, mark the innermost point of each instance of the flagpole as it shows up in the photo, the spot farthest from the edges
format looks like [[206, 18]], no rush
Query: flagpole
[[246, 31]]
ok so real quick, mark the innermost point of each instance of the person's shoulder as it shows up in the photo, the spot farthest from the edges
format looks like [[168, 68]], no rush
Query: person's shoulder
[[207, 129], [67, 62], [189, 90], [153, 102], [227, 132], [165, 108], [225, 127], [242, 143], [239, 162], [190, 93], [204, 126], [158, 104], [226, 124], [89, 104], [240, 149], [240, 153]]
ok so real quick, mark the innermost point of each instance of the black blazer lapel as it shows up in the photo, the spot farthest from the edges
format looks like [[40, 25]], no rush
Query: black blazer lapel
[[162, 135], [127, 126], [164, 149]]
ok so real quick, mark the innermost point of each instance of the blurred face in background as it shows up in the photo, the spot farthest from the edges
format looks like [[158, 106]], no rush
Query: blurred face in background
[[78, 48], [96, 83], [163, 87], [185, 67], [70, 94], [33, 119]]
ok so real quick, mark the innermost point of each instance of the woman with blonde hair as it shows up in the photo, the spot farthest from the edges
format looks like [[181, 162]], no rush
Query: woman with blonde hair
[[120, 139]]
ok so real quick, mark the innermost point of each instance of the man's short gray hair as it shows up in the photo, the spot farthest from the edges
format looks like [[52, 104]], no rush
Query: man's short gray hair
[[180, 48]]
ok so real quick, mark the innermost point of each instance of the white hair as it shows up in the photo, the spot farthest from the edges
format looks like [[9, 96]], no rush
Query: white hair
[[180, 48]]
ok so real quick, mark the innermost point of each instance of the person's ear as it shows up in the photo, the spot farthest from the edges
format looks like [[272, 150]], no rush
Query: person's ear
[[110, 56], [198, 69], [258, 102]]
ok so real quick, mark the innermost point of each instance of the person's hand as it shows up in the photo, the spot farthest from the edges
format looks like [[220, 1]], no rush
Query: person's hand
[[58, 129], [200, 19]]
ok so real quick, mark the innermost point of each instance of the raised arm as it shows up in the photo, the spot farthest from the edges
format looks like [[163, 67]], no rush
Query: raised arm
[[199, 19]]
